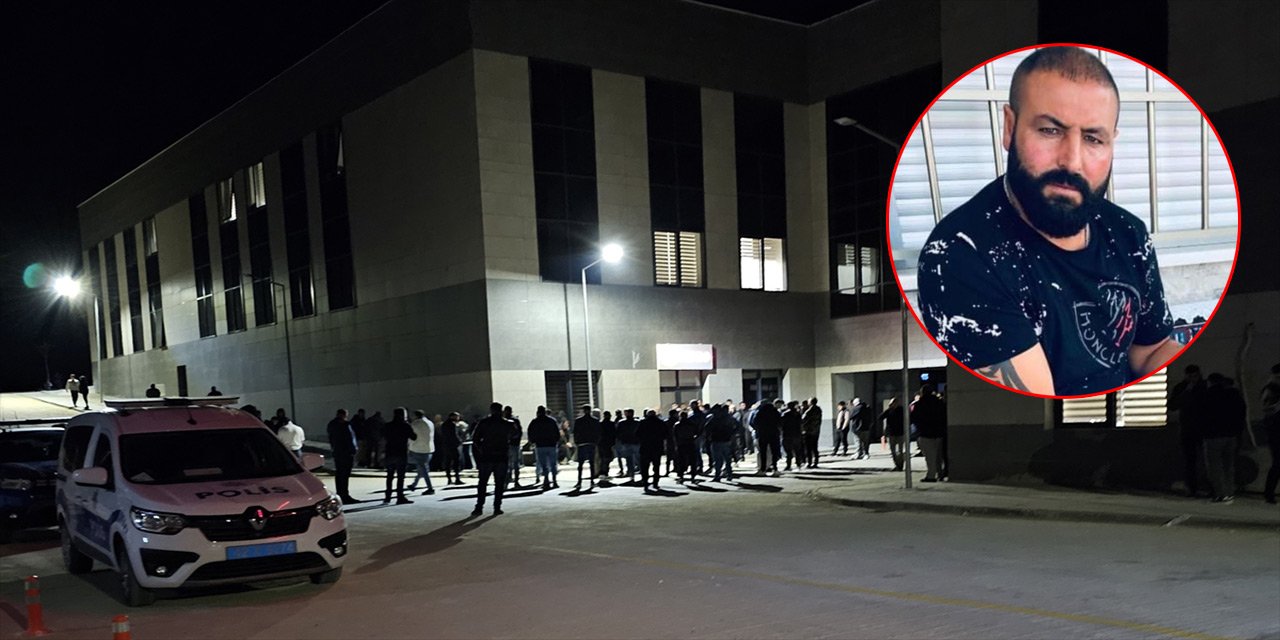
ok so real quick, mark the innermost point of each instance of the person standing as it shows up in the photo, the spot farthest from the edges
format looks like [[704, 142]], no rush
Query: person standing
[[291, 435], [1271, 426], [373, 430], [811, 427], [842, 428], [653, 434], [513, 449], [213, 391], [1221, 436], [396, 436], [586, 436], [863, 427], [448, 445], [490, 442], [608, 449], [544, 433], [719, 429], [1188, 399], [152, 391], [342, 442], [362, 438], [767, 423], [73, 387], [792, 436], [421, 450], [685, 434], [85, 385], [629, 442], [929, 414], [892, 417]]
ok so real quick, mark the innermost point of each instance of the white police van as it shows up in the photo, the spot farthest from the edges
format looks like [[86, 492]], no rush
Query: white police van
[[180, 492]]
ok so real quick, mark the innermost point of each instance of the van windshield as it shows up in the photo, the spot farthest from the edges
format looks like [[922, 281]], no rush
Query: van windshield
[[173, 457]]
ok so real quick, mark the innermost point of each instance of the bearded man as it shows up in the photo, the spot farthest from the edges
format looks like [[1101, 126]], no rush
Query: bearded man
[[1038, 283]]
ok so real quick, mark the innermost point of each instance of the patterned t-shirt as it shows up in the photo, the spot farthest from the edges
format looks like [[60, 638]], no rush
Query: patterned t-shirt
[[992, 287]]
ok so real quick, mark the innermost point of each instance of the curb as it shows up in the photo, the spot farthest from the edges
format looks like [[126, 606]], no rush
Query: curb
[[1046, 514]]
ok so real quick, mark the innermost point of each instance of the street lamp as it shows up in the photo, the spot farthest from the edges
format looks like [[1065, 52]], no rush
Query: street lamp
[[844, 121], [288, 348], [610, 253], [69, 288]]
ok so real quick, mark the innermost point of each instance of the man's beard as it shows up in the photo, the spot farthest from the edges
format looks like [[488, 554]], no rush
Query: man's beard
[[1055, 216]]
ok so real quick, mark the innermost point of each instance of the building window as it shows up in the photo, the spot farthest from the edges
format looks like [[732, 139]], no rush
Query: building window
[[763, 263], [679, 387], [859, 168], [264, 299], [567, 390], [760, 157], [229, 243], [564, 170], [151, 248], [339, 265], [1141, 405], [134, 284], [200, 257], [677, 258], [257, 187], [673, 113], [297, 231], [113, 297], [95, 280]]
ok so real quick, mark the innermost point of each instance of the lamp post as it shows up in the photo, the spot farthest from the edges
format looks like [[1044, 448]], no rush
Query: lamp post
[[288, 347], [69, 288], [844, 121], [609, 253]]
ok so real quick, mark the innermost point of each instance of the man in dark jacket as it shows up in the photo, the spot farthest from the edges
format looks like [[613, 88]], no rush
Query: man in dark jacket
[[342, 440], [490, 441], [892, 417], [374, 439], [863, 425], [514, 448], [544, 433], [929, 414], [448, 444], [1226, 407], [811, 427], [586, 436], [1188, 399], [767, 423], [792, 436], [685, 434], [608, 445], [628, 443], [719, 429], [396, 436], [653, 434]]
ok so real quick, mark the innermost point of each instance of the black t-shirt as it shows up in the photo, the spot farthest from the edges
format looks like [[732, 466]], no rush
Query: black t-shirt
[[992, 287]]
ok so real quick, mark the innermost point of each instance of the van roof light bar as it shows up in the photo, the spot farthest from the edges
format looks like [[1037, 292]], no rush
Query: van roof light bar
[[124, 404]]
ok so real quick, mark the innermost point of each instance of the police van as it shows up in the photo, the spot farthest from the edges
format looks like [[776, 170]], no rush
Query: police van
[[183, 492]]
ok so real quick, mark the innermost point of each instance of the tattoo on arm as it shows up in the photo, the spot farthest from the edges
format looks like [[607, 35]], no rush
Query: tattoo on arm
[[1005, 374]]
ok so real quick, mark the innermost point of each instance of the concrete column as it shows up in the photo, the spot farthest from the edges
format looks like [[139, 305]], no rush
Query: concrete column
[[723, 385], [721, 185], [622, 175]]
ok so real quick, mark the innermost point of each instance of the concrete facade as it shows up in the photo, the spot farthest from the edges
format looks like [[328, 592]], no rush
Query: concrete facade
[[451, 311]]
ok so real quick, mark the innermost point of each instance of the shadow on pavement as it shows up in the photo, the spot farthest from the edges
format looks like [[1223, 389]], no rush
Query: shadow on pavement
[[664, 493], [368, 505], [425, 544], [702, 487], [767, 488], [574, 493]]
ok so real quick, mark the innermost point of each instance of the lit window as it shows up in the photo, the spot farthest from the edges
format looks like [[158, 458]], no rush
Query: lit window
[[763, 263], [257, 187], [1142, 405], [677, 258], [857, 269], [226, 201]]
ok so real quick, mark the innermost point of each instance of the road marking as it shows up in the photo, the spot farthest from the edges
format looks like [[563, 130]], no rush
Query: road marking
[[896, 595]]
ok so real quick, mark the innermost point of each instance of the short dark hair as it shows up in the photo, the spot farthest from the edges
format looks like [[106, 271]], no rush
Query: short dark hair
[[1072, 63], [1192, 368]]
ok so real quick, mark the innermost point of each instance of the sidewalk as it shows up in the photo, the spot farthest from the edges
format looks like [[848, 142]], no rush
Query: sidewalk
[[885, 492]]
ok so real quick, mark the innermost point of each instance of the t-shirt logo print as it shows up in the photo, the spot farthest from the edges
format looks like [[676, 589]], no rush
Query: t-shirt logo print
[[1106, 324]]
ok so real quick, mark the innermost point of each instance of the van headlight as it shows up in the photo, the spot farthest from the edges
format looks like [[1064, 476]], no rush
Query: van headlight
[[157, 522], [329, 508]]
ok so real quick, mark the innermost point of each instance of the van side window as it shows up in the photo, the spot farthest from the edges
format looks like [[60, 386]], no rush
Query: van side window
[[75, 443], [102, 458]]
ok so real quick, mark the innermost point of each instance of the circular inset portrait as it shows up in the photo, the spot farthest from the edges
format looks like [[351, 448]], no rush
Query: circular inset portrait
[[1063, 221]]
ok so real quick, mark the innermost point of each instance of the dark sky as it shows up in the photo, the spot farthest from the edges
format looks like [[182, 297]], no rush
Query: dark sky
[[93, 89]]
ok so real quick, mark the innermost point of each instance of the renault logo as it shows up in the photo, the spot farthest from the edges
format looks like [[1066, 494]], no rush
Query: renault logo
[[257, 517]]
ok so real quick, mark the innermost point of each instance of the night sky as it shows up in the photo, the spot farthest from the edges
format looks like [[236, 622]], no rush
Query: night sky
[[94, 89]]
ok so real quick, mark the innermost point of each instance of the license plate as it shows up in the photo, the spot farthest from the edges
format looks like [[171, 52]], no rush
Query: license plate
[[262, 550]]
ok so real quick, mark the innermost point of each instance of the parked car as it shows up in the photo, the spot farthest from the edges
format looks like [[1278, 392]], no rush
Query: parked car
[[189, 492], [28, 460]]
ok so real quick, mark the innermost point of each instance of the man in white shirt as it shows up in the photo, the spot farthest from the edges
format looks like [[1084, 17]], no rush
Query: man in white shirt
[[421, 448], [292, 436]]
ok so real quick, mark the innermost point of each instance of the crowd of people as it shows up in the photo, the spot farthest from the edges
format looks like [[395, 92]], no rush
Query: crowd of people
[[693, 441]]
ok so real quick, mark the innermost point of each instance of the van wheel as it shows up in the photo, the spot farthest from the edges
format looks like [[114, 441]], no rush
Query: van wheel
[[72, 558], [326, 577], [132, 593]]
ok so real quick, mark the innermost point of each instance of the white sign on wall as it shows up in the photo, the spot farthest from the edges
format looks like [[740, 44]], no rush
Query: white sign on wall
[[698, 357]]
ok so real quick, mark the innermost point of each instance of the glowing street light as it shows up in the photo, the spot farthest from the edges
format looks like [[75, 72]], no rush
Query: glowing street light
[[66, 287], [610, 253]]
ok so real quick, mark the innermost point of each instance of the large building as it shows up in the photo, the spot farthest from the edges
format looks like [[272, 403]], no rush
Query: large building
[[404, 217]]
